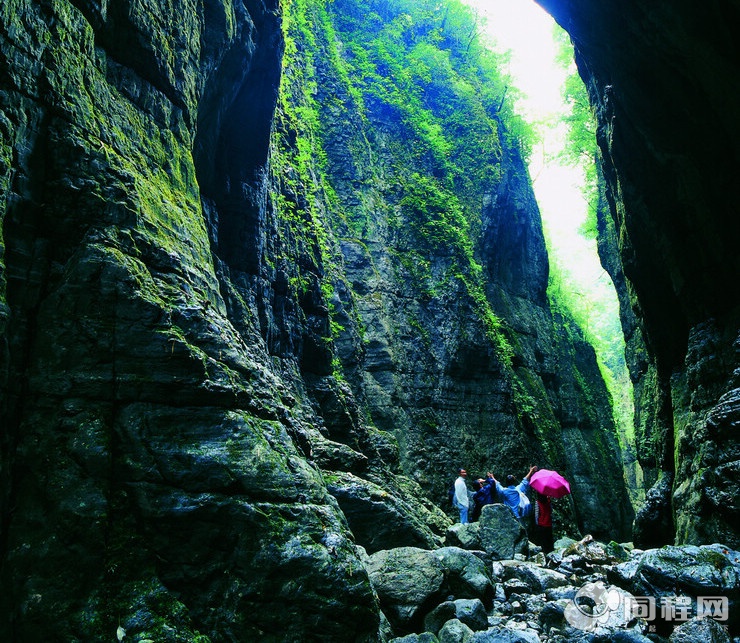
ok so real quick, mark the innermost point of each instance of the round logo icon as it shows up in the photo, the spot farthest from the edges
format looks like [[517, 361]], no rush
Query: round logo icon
[[592, 606]]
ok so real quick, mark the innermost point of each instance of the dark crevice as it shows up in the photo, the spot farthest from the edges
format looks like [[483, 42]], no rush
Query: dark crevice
[[232, 145], [26, 265]]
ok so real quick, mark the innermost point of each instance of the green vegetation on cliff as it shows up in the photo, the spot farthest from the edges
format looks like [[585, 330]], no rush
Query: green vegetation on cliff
[[397, 151], [592, 304], [421, 68]]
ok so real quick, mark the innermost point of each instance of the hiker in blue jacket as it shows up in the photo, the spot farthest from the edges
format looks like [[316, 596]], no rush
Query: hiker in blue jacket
[[484, 495], [510, 494]]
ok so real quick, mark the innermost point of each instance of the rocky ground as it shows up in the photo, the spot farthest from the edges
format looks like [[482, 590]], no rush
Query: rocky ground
[[492, 585]]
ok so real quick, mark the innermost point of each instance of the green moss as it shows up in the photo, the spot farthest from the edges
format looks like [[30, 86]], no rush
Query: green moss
[[536, 414], [418, 270], [455, 135], [421, 331], [715, 559], [6, 157]]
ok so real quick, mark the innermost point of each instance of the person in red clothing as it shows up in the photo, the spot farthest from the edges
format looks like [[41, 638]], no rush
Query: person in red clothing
[[543, 523]]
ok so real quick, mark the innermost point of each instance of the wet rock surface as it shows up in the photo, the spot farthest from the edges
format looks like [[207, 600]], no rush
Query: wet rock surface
[[584, 592]]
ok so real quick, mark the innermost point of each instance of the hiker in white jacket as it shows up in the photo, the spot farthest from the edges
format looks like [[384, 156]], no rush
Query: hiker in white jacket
[[460, 499]]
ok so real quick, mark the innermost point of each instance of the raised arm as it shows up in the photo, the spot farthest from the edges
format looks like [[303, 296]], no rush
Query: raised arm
[[497, 484]]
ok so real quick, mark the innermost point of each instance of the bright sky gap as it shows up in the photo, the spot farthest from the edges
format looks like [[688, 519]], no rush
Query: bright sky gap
[[526, 31]]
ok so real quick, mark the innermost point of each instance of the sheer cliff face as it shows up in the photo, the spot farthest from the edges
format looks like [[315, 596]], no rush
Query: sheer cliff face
[[661, 75], [153, 457], [428, 371]]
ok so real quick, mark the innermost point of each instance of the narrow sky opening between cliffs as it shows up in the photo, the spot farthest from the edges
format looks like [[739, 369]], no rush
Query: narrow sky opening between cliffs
[[535, 46]]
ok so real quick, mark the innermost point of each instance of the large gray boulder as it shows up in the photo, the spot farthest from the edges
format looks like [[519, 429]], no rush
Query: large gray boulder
[[436, 619], [704, 630], [409, 582], [707, 570], [538, 579], [471, 612], [466, 575], [501, 534], [380, 520], [466, 536], [455, 631]]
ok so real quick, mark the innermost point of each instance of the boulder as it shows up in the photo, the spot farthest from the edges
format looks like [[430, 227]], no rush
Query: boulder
[[587, 556], [472, 613], [516, 587], [424, 637], [552, 616], [563, 543], [566, 592], [408, 581], [380, 520], [466, 574], [497, 570], [466, 536], [704, 630], [436, 619], [538, 579], [504, 635], [455, 631], [501, 534], [707, 570], [598, 606]]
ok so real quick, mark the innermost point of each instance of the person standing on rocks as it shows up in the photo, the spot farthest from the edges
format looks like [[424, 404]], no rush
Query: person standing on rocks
[[543, 523], [460, 498], [510, 493]]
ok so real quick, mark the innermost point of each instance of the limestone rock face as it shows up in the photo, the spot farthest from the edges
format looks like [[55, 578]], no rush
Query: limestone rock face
[[155, 461], [428, 371], [657, 73], [654, 519], [379, 519]]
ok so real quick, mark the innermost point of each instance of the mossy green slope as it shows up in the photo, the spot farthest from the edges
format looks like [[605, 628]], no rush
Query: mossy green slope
[[442, 253]]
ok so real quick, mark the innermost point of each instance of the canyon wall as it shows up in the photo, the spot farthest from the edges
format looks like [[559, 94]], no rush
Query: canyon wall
[[157, 464], [231, 364], [429, 370]]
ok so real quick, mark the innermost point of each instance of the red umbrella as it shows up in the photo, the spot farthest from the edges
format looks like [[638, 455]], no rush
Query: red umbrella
[[549, 483]]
